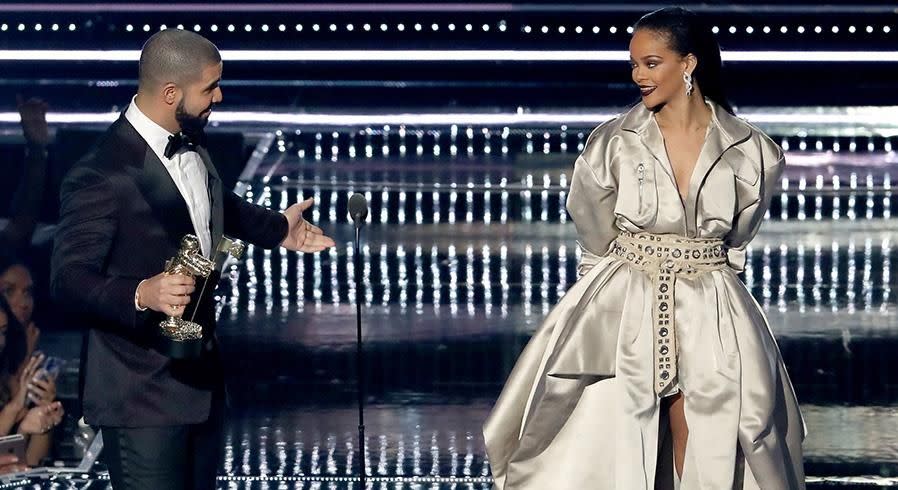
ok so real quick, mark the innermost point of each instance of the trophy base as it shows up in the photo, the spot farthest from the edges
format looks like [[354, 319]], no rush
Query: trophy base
[[180, 339], [179, 349]]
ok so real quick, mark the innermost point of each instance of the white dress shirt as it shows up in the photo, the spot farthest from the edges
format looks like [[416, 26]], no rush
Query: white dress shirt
[[187, 170]]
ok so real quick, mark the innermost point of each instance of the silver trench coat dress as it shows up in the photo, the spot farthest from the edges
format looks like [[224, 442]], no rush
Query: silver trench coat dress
[[578, 410]]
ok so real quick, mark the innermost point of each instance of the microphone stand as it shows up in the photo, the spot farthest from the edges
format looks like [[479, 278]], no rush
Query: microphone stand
[[360, 373]]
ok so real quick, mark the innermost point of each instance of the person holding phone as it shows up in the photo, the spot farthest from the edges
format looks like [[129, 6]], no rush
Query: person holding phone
[[16, 283], [27, 393], [17, 287]]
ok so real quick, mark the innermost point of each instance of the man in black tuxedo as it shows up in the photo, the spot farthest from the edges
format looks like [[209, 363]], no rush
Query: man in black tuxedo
[[124, 209]]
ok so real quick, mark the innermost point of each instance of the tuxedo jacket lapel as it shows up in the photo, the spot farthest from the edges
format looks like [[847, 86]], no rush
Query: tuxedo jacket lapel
[[156, 184], [216, 198]]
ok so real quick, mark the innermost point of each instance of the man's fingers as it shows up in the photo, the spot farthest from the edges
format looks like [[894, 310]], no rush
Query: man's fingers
[[175, 300], [315, 243], [177, 291], [179, 280], [306, 204], [323, 241], [182, 290]]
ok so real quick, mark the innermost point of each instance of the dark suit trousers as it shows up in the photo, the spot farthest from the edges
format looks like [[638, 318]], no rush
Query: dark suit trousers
[[180, 457]]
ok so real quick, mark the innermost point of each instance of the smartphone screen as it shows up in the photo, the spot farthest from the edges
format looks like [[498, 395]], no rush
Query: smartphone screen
[[48, 370], [14, 444]]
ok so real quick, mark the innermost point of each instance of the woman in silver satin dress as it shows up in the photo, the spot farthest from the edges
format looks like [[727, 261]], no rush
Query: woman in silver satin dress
[[657, 369]]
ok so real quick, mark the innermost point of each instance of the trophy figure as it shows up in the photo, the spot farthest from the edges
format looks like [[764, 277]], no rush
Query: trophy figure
[[228, 247], [182, 338]]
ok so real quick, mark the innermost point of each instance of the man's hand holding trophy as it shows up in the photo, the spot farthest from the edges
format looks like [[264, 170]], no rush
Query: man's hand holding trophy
[[170, 293], [188, 262]]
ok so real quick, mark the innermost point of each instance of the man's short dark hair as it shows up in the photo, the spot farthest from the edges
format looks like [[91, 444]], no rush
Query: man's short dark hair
[[177, 56]]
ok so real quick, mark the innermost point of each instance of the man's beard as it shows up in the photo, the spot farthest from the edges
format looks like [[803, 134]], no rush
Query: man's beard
[[190, 124]]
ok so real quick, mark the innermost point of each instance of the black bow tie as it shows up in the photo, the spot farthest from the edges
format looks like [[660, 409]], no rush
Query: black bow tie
[[183, 140]]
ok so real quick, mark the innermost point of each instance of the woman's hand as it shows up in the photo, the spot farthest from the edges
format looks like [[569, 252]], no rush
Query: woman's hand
[[42, 391], [20, 397], [9, 463], [40, 420]]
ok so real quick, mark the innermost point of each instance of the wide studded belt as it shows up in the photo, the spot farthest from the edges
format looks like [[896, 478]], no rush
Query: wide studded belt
[[665, 257]]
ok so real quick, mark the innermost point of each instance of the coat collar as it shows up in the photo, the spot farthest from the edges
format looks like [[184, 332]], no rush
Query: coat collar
[[724, 132]]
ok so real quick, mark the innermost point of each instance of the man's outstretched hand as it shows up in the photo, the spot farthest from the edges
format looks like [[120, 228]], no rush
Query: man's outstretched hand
[[302, 236]]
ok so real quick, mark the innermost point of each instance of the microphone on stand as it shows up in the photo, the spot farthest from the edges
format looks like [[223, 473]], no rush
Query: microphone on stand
[[358, 211]]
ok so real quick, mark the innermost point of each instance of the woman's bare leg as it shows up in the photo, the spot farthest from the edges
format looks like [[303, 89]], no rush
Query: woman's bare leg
[[679, 430]]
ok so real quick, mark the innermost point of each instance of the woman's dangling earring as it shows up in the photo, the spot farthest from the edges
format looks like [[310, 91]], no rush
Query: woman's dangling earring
[[688, 79]]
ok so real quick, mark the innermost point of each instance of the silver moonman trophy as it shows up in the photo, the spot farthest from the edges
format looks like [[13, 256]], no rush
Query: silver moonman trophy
[[183, 338]]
